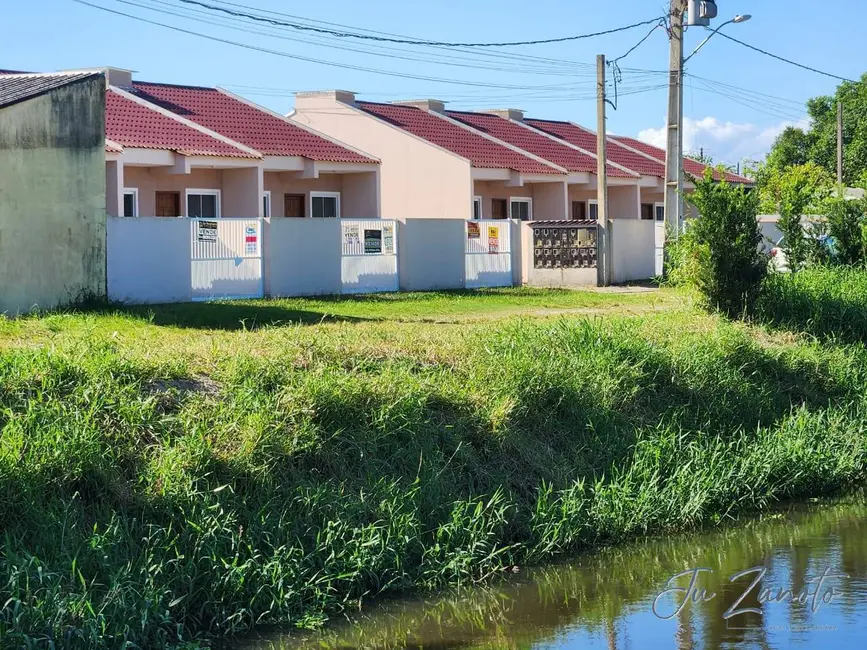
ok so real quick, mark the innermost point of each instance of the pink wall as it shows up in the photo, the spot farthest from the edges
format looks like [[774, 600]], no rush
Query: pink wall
[[549, 199], [150, 180], [417, 180]]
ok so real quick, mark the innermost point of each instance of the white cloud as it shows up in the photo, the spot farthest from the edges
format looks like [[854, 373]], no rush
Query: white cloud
[[725, 141]]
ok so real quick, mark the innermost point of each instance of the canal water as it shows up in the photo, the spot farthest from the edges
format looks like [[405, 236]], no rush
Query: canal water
[[809, 563]]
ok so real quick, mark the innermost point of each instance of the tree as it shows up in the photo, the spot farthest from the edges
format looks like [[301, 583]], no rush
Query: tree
[[724, 242], [847, 227], [818, 144]]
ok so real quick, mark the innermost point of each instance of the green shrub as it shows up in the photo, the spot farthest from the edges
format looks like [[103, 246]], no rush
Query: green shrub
[[846, 224], [725, 263]]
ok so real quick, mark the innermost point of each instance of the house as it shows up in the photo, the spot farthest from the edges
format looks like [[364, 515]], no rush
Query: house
[[174, 150], [435, 166], [52, 201]]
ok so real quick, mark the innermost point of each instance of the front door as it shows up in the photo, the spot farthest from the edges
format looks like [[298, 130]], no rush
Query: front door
[[499, 209], [168, 204], [293, 205]]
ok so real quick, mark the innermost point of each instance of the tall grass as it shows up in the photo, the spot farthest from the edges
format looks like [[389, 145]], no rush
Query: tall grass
[[139, 508]]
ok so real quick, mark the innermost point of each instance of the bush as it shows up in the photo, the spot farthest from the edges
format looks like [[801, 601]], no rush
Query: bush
[[723, 260], [847, 226]]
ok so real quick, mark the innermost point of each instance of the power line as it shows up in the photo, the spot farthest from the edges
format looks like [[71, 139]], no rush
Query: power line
[[406, 41], [299, 57], [660, 23], [783, 59]]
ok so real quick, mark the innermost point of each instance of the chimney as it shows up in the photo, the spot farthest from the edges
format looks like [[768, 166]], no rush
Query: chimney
[[433, 105], [515, 114], [118, 77], [322, 98]]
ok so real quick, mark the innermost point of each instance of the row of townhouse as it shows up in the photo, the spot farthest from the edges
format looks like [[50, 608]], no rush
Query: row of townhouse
[[175, 150]]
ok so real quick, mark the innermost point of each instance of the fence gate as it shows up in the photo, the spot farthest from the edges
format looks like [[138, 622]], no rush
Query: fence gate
[[227, 258], [488, 254], [659, 236], [368, 255]]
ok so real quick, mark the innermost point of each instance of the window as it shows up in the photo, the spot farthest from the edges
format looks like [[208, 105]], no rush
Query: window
[[266, 204], [521, 208], [579, 211], [647, 212], [325, 205], [593, 210], [203, 203], [293, 205], [659, 208], [477, 207], [499, 209], [130, 202]]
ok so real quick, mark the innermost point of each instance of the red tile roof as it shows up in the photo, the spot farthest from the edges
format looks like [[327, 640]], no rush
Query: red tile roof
[[131, 124], [480, 151], [689, 165], [251, 126], [585, 139], [532, 141]]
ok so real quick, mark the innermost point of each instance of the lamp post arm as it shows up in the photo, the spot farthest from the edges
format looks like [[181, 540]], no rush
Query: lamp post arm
[[710, 36]]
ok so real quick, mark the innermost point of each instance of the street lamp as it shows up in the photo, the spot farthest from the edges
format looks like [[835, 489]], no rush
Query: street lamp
[[737, 20], [674, 147]]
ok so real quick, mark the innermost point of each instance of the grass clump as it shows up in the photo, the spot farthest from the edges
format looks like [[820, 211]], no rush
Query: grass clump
[[320, 465]]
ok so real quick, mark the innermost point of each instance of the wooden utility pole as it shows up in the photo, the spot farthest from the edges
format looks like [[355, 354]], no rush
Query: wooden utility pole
[[674, 130], [840, 142], [603, 246]]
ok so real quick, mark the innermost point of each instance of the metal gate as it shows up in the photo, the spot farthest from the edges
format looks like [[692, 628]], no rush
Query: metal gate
[[226, 258], [488, 254], [368, 255]]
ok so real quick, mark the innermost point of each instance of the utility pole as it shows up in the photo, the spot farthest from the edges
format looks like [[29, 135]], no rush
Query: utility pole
[[603, 245], [840, 142], [674, 130]]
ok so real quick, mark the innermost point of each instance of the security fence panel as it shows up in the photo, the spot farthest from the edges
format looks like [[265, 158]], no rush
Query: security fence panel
[[226, 258], [488, 260], [369, 255]]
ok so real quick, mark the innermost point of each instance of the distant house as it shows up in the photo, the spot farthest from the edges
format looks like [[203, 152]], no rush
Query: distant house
[[52, 189]]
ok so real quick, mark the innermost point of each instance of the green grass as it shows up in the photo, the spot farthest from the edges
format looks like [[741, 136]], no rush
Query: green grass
[[168, 474]]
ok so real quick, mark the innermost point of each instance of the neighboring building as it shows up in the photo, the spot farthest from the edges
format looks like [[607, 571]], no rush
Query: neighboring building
[[52, 192], [434, 166]]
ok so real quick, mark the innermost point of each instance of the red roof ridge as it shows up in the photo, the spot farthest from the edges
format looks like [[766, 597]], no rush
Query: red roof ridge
[[503, 143], [198, 127], [575, 146], [295, 123], [159, 83]]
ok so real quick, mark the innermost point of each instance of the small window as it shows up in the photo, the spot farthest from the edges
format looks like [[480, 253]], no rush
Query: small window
[[579, 211], [203, 203], [647, 211], [266, 204], [521, 209], [593, 210], [499, 208], [325, 206], [130, 202], [660, 211], [477, 207]]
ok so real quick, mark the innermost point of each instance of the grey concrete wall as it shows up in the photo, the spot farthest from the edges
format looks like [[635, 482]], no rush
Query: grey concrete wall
[[550, 278], [302, 257], [52, 198], [149, 260], [633, 250], [431, 254]]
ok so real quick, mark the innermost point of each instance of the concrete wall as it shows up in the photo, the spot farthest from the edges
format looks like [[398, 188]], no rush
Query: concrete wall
[[633, 250], [431, 254], [149, 260], [624, 202], [52, 197], [242, 192], [417, 179], [302, 257], [551, 278]]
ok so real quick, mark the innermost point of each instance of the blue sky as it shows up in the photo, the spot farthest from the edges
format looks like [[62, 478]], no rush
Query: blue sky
[[60, 34]]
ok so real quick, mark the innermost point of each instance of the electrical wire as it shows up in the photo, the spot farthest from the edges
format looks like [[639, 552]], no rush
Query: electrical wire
[[783, 59], [406, 41]]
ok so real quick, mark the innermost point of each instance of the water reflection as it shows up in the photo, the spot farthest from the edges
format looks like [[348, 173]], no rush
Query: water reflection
[[605, 599]]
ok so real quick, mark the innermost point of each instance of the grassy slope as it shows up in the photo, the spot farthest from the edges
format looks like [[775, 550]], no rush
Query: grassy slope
[[160, 479]]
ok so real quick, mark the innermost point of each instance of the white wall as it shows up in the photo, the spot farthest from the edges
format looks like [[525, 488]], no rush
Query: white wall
[[148, 260], [633, 249], [431, 254], [302, 257]]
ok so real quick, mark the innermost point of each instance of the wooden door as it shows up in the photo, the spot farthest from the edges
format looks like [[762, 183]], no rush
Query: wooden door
[[293, 205], [168, 204], [499, 209], [579, 211]]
